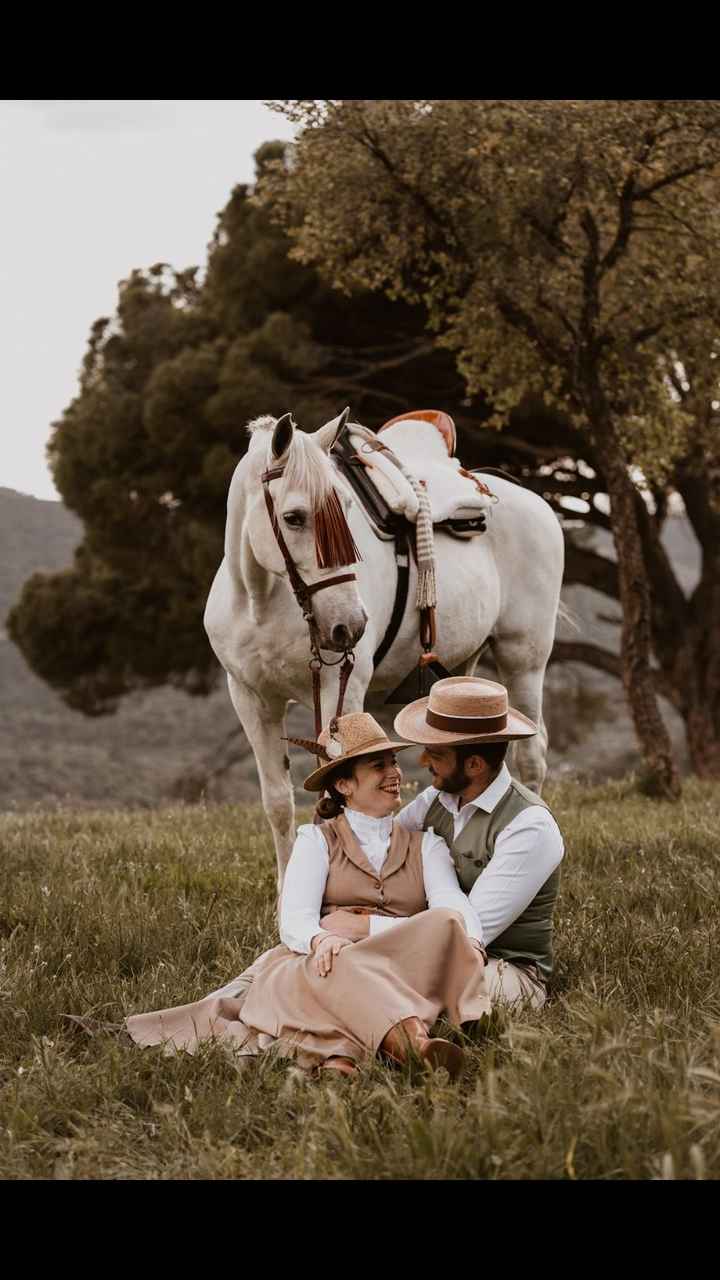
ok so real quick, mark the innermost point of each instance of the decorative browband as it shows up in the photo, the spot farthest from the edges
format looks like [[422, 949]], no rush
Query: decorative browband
[[466, 724]]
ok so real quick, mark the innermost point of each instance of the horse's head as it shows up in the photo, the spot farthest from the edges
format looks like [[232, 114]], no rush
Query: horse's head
[[311, 505]]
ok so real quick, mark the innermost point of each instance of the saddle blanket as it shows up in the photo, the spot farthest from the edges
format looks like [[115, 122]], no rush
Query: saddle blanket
[[424, 452]]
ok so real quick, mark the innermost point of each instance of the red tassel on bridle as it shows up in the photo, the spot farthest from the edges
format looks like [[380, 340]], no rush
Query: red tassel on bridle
[[334, 543]]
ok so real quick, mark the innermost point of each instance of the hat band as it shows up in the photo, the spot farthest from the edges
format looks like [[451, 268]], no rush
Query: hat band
[[364, 748], [466, 724]]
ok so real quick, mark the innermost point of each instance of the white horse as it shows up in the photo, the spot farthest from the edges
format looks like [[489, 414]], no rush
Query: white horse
[[502, 587]]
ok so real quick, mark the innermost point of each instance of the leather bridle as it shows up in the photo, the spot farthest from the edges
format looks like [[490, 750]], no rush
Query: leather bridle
[[303, 592]]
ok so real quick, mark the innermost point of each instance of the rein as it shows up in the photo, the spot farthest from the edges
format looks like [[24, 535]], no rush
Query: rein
[[303, 592]]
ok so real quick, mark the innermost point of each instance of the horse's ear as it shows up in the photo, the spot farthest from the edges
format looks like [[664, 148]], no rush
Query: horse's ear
[[328, 434], [282, 436]]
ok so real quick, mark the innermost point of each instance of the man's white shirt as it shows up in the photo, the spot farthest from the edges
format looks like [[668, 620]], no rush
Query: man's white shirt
[[307, 874], [527, 851]]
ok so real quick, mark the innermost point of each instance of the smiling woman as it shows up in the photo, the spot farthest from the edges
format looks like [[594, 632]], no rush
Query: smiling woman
[[371, 785]]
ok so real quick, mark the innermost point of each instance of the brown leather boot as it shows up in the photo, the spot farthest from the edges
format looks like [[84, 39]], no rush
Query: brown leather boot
[[345, 1066], [410, 1037]]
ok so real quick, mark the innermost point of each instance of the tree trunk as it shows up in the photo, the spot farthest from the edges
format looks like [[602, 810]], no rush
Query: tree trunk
[[695, 674], [703, 741], [638, 678]]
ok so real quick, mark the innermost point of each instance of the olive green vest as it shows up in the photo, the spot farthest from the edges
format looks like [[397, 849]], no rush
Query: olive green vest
[[529, 937]]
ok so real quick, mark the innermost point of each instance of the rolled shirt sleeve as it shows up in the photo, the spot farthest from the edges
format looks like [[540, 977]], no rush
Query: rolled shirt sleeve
[[303, 889], [442, 888], [526, 853]]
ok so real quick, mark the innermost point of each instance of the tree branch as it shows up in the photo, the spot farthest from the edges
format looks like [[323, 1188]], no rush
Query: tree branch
[[550, 235], [520, 319], [675, 175], [624, 226], [675, 217], [559, 314], [340, 385], [669, 605], [438, 220], [650, 331], [392, 362], [629, 196], [692, 484], [591, 654], [611, 663], [589, 569], [593, 518]]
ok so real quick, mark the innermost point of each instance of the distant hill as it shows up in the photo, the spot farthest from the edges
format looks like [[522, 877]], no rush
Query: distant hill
[[50, 754], [34, 535], [164, 744]]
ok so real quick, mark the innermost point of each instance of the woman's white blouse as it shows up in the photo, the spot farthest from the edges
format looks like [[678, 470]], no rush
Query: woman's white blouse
[[307, 874]]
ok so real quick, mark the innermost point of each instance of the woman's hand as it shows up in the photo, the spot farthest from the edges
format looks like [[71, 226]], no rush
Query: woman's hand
[[324, 952], [480, 948]]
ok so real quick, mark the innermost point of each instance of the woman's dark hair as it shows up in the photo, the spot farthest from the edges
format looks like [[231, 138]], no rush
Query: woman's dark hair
[[493, 753], [332, 804]]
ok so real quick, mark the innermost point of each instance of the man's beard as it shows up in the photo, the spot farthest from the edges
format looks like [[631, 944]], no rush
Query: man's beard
[[455, 782]]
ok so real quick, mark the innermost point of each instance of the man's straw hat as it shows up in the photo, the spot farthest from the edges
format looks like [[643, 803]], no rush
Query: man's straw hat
[[463, 709], [355, 735]]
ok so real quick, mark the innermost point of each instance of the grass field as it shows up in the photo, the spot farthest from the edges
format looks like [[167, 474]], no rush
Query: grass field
[[104, 914]]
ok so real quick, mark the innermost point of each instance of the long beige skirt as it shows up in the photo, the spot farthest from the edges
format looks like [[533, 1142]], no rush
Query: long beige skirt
[[421, 968]]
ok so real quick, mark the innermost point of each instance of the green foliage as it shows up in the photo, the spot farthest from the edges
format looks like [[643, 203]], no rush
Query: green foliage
[[111, 630], [565, 248], [107, 914]]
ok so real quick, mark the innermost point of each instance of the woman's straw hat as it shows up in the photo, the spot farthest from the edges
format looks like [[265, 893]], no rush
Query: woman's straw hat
[[463, 709], [358, 734]]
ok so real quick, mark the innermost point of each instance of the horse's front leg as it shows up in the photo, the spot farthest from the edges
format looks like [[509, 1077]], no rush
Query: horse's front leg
[[524, 675], [263, 720]]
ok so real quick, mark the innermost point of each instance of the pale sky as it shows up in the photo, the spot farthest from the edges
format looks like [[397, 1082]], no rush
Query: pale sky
[[89, 190]]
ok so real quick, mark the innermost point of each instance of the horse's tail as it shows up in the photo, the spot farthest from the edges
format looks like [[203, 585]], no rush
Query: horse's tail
[[570, 617]]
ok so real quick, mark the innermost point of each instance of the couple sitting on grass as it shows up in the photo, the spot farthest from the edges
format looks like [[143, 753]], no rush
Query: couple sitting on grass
[[386, 922]]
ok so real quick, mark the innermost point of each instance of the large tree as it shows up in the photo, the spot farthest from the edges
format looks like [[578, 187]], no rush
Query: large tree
[[569, 249]]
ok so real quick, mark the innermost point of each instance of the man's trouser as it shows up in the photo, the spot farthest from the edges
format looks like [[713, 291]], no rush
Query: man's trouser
[[508, 983]]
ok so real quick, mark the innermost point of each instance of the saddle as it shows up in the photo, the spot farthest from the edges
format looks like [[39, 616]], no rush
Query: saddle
[[388, 476], [424, 441]]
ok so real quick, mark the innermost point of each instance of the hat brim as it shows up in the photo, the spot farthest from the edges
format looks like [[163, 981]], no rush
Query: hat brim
[[411, 723], [315, 780]]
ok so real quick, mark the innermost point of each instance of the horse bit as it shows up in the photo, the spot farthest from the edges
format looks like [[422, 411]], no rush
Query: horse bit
[[304, 591]]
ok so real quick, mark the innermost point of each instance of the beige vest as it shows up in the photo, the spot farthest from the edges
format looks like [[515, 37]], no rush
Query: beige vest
[[529, 938], [397, 889]]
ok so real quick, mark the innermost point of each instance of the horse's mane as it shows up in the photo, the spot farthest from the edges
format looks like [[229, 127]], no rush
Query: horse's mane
[[307, 467], [308, 470]]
